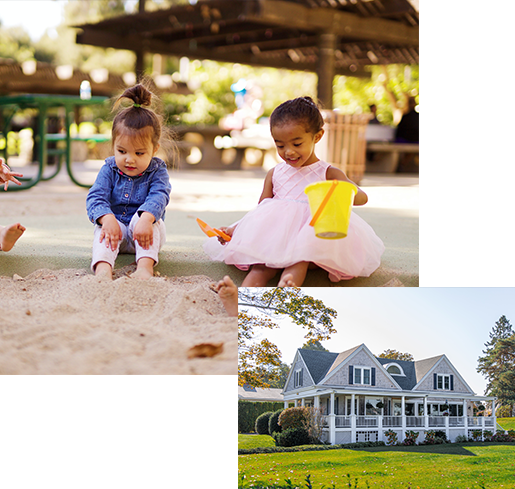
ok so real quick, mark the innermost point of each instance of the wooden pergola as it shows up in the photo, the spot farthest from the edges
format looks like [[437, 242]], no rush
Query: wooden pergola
[[328, 37]]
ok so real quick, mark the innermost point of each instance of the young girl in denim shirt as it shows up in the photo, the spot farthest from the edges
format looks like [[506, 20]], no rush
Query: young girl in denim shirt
[[128, 199]]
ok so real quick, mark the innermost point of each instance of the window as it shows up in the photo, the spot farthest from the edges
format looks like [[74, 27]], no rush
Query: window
[[362, 375], [394, 370], [297, 380], [443, 382]]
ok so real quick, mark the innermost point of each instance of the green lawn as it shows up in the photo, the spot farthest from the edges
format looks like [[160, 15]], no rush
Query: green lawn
[[507, 423], [470, 465], [255, 441]]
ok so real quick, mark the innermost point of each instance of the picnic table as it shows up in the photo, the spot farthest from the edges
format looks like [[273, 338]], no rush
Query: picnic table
[[43, 103]]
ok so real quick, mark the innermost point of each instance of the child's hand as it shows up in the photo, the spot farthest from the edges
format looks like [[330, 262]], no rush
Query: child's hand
[[111, 233], [143, 231], [227, 231], [6, 175]]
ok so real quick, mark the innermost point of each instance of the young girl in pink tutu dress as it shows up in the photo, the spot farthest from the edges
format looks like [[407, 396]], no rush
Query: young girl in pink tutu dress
[[276, 235]]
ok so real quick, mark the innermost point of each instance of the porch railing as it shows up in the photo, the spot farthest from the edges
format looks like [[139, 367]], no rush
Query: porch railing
[[387, 422]]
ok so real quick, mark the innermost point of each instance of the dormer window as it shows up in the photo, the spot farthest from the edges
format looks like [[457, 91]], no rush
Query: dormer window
[[394, 369]]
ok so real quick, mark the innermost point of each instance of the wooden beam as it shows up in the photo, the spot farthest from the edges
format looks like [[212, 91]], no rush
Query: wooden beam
[[343, 24]]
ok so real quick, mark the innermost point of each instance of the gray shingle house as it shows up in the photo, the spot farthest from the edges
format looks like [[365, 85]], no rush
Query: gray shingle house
[[362, 396]]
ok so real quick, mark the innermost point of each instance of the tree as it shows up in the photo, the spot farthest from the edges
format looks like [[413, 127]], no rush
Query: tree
[[498, 360], [397, 355], [314, 345], [258, 360]]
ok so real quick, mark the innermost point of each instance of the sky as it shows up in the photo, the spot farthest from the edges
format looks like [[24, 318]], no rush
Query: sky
[[36, 16], [425, 322]]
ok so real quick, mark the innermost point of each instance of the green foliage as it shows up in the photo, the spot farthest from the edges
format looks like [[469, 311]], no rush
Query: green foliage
[[461, 439], [273, 423], [411, 438], [258, 361], [504, 411], [396, 355], [261, 426], [392, 438], [294, 417], [502, 438], [313, 345], [477, 435], [498, 360], [249, 411], [292, 437]]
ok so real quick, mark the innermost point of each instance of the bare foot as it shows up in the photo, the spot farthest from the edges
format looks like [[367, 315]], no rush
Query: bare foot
[[228, 293], [286, 281], [145, 269], [142, 274], [9, 235], [103, 271]]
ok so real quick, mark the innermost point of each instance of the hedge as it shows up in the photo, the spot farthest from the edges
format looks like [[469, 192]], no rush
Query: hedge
[[248, 412]]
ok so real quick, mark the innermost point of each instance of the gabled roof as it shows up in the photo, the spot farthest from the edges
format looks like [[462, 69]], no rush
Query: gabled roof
[[422, 367], [342, 357], [317, 362]]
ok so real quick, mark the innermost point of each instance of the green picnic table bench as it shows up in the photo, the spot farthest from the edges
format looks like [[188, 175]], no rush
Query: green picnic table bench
[[11, 104]]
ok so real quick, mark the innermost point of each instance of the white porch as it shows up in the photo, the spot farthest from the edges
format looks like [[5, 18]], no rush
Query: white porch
[[356, 417]]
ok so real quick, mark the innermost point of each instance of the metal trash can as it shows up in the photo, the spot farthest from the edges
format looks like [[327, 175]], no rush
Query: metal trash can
[[343, 144]]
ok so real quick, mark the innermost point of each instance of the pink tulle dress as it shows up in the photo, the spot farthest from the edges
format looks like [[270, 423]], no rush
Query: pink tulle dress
[[277, 232]]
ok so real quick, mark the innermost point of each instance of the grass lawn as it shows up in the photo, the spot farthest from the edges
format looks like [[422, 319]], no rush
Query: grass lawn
[[507, 423], [255, 441], [461, 466]]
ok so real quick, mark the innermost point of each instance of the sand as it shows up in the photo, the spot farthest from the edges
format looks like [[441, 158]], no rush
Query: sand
[[68, 322]]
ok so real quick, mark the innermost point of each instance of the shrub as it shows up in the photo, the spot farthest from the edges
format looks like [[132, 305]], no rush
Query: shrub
[[292, 437], [294, 417], [487, 435], [248, 412], [501, 437], [262, 423], [477, 435], [461, 439], [411, 438], [273, 423], [392, 437]]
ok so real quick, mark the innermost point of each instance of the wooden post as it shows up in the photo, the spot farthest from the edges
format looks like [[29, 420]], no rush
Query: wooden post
[[140, 53], [325, 69]]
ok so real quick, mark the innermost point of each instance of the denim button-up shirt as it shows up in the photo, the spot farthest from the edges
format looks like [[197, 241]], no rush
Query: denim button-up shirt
[[116, 193]]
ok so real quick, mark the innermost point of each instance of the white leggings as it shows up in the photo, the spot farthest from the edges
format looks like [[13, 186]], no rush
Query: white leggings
[[128, 244]]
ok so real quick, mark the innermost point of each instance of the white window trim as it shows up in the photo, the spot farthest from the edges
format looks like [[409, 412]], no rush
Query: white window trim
[[443, 377], [363, 368], [296, 378], [393, 364]]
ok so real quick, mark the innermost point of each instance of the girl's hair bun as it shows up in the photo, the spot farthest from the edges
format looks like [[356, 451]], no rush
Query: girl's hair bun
[[139, 94]]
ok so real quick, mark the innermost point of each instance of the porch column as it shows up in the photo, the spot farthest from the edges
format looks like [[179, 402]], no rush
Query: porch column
[[403, 412], [447, 426], [286, 404], [327, 43], [302, 402], [332, 421], [426, 415], [353, 418], [465, 418], [494, 419], [317, 402]]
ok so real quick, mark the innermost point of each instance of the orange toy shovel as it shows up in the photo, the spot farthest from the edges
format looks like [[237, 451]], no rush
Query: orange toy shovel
[[212, 231]]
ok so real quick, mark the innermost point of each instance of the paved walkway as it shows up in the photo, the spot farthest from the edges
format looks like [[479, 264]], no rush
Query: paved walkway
[[59, 233]]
